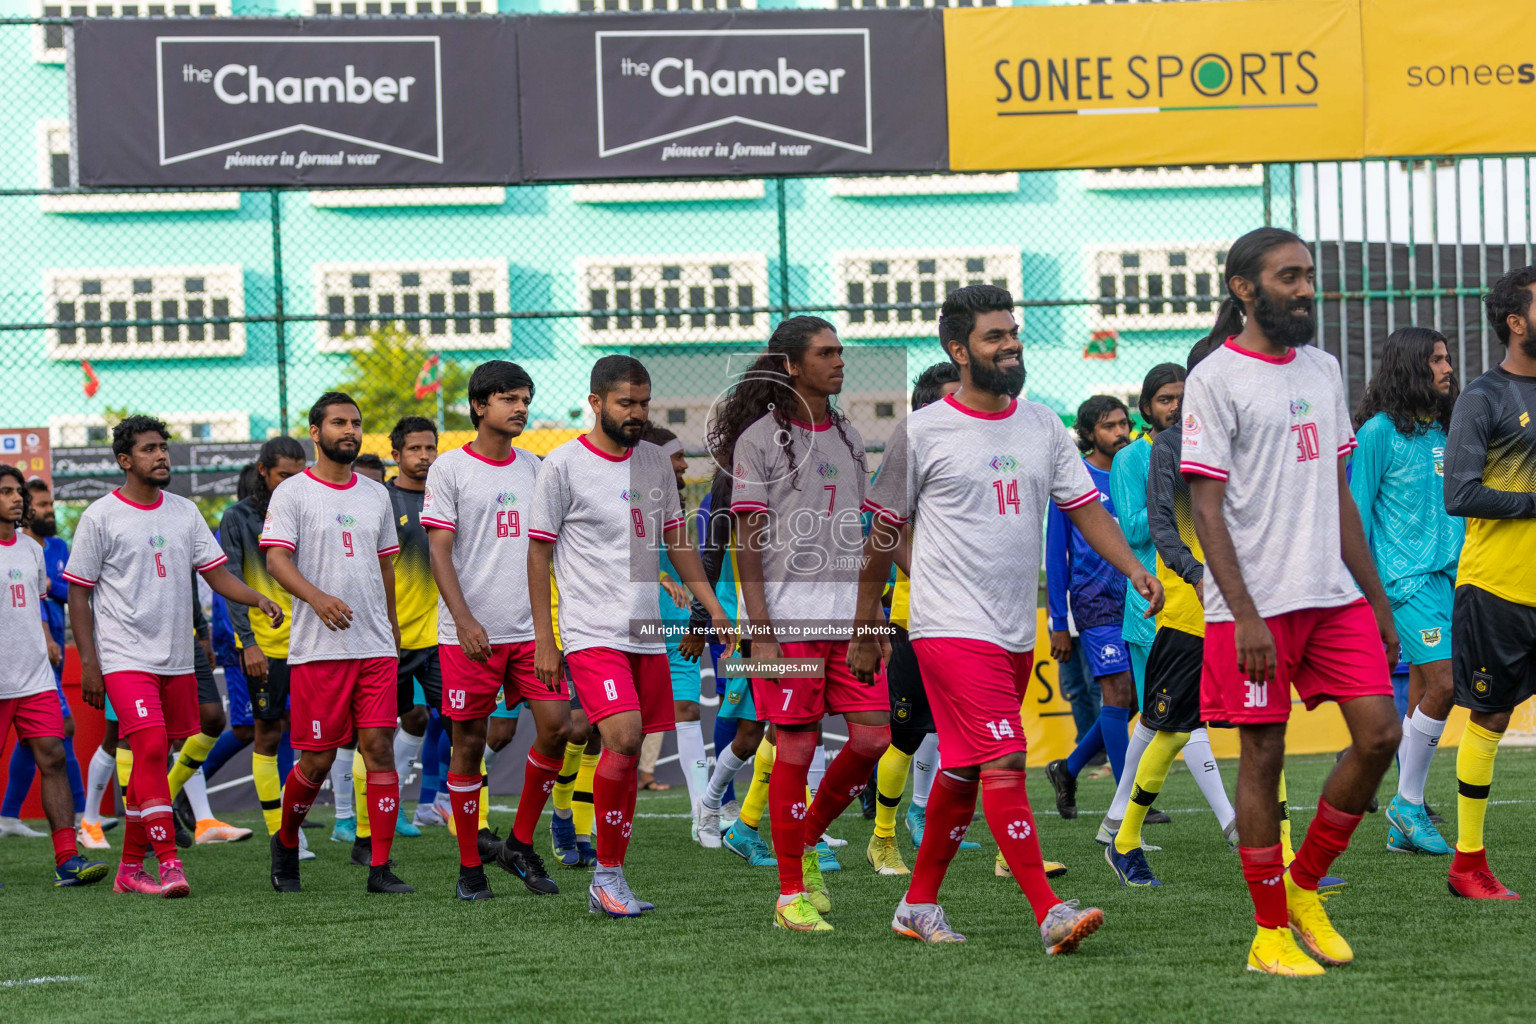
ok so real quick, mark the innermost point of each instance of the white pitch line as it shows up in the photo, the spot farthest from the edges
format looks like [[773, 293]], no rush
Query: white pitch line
[[46, 980]]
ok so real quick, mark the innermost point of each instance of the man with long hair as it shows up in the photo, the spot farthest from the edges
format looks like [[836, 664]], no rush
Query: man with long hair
[[1490, 479], [1397, 477], [1292, 597]]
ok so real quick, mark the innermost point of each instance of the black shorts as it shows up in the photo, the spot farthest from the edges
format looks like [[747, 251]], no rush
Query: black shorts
[[1493, 650], [419, 666], [269, 697], [1173, 681], [909, 700], [207, 686]]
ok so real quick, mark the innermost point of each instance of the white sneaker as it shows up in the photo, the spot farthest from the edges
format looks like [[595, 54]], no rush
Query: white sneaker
[[836, 844], [729, 813], [428, 817], [305, 853], [16, 827], [708, 819]]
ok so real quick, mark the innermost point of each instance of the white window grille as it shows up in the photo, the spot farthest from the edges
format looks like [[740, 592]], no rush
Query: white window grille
[[48, 40], [72, 431], [53, 172], [709, 282], [376, 295], [372, 8], [1153, 287], [923, 185], [848, 5], [925, 276], [667, 191], [353, 198], [608, 6], [90, 296], [1190, 176]]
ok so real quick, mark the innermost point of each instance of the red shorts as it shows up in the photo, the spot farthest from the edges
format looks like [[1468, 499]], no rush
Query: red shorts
[[609, 681], [144, 700], [802, 700], [975, 690], [1326, 653], [36, 715], [329, 700], [470, 687]]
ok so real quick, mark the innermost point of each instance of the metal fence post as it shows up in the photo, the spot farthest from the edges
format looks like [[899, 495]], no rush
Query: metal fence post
[[783, 250], [279, 322]]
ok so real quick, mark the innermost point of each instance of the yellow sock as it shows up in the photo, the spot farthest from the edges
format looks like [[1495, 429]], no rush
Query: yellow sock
[[565, 782], [269, 790], [360, 794], [194, 751], [756, 803], [485, 796], [1287, 854], [1151, 773], [581, 798], [124, 769], [1474, 776], [892, 782]]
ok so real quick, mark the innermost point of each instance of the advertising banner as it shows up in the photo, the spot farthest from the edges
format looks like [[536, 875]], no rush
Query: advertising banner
[[748, 93], [26, 448], [1444, 81], [199, 469], [1151, 84], [294, 102]]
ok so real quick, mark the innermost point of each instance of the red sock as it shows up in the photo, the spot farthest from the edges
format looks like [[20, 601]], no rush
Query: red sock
[[299, 793], [613, 806], [152, 792], [1262, 870], [464, 795], [1006, 804], [786, 804], [1327, 837], [135, 842], [64, 846], [950, 807], [383, 812], [538, 782], [1462, 862], [846, 777]]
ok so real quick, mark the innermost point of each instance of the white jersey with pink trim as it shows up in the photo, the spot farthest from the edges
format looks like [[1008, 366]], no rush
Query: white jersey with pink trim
[[811, 483], [24, 668], [337, 533], [1274, 430], [976, 487], [484, 504], [138, 562], [606, 515]]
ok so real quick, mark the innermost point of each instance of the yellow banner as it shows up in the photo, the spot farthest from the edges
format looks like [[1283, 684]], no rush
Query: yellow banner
[[1147, 84], [1448, 78]]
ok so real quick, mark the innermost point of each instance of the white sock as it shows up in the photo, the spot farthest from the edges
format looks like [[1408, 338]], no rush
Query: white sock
[[489, 757], [341, 783], [818, 769], [726, 767], [407, 750], [924, 763], [1202, 765], [1140, 737], [196, 789], [1421, 735], [690, 758], [98, 777]]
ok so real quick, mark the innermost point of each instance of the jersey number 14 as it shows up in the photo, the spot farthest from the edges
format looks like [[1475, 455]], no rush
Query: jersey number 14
[[1007, 496]]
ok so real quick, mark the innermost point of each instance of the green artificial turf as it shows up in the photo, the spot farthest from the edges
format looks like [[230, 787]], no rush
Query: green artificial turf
[[236, 951]]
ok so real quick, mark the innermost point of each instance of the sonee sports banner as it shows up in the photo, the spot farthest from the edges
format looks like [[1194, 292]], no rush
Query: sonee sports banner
[[294, 102]]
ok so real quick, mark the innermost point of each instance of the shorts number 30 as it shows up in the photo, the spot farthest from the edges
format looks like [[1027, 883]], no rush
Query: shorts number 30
[[1256, 695]]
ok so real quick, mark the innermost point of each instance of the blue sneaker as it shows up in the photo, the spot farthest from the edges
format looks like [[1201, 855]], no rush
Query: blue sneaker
[[587, 853], [1131, 868], [403, 827], [79, 871], [826, 859], [742, 840], [917, 820], [345, 831], [1410, 830], [1330, 883], [562, 840]]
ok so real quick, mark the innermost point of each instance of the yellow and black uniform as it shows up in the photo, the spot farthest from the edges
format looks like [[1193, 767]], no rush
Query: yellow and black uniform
[[415, 603], [1490, 478], [239, 536], [1177, 655]]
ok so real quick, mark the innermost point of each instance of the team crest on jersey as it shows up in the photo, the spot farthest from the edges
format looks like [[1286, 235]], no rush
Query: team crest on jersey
[[506, 498], [16, 574], [1160, 707], [1482, 683], [1109, 652], [826, 471], [1004, 463], [741, 470], [157, 542], [266, 524], [1431, 637], [345, 520], [1439, 452], [1300, 407], [1525, 419], [404, 519], [1192, 425]]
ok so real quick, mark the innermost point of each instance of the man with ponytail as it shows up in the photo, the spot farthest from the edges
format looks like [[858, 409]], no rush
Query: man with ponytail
[[1266, 432], [974, 474], [1397, 479]]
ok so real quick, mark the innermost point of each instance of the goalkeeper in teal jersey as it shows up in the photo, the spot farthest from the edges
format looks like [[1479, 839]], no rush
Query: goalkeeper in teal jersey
[[1397, 477]]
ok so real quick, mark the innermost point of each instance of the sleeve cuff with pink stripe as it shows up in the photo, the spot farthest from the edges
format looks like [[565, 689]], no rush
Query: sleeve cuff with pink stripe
[[542, 535], [748, 506], [438, 524], [393, 549], [77, 581], [672, 524], [1347, 447], [1079, 501], [881, 512], [1199, 469], [214, 564], [274, 542]]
